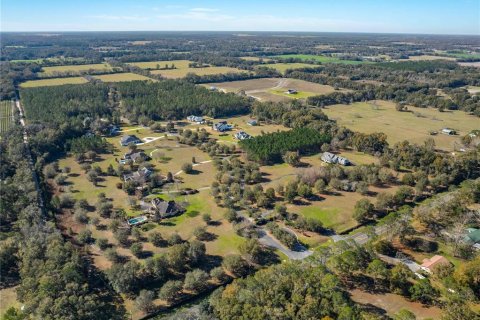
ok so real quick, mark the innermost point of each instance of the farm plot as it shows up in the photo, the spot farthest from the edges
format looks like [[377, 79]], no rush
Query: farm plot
[[53, 82], [181, 73], [414, 125], [274, 89], [51, 71], [120, 77], [6, 115], [155, 65], [322, 59], [282, 67]]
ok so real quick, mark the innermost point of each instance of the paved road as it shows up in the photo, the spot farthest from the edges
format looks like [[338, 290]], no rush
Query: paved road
[[268, 240], [412, 265], [360, 237]]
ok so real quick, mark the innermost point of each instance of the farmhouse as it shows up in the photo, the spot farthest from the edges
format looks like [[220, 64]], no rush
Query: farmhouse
[[332, 158], [449, 132], [242, 135], [196, 119], [252, 122], [291, 91], [129, 139], [221, 126], [165, 209], [429, 265], [139, 176]]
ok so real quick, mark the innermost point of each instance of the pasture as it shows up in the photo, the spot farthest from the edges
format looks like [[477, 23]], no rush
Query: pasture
[[414, 125], [182, 72], [318, 58], [282, 67], [153, 65], [274, 89], [51, 71], [6, 115], [53, 82], [119, 77], [427, 57]]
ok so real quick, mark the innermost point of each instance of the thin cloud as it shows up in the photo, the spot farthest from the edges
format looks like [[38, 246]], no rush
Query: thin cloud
[[114, 17]]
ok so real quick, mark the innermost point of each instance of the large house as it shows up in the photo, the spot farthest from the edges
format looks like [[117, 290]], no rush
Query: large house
[[140, 176], [164, 209], [333, 158], [242, 135], [196, 119], [221, 126], [129, 139], [429, 265], [137, 156], [252, 122]]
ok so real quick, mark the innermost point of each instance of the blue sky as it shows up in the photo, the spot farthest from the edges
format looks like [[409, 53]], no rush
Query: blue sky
[[385, 16]]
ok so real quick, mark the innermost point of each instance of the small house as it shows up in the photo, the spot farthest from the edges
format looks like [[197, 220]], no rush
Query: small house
[[129, 139], [196, 119], [165, 209], [449, 132], [113, 130], [473, 237], [252, 122], [221, 126], [138, 156], [291, 91], [429, 265], [329, 157], [242, 135]]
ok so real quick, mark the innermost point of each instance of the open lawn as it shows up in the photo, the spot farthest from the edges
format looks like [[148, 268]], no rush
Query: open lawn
[[53, 82], [48, 71], [182, 72], [322, 59], [274, 89], [6, 115], [119, 77], [414, 125], [282, 67]]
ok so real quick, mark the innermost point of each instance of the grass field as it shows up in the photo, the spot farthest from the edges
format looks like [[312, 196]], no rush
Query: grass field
[[428, 57], [398, 126], [53, 82], [119, 77], [6, 115], [282, 67], [48, 71], [255, 59], [8, 298], [322, 59], [182, 72], [273, 89], [152, 65]]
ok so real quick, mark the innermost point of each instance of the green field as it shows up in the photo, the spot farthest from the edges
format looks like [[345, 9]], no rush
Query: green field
[[6, 115], [414, 126], [49, 71], [119, 77], [282, 67], [53, 82], [322, 59], [298, 95], [152, 65], [181, 73], [463, 55]]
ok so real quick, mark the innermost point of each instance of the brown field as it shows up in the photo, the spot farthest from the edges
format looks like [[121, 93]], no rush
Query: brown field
[[256, 59], [393, 303], [8, 298], [427, 57], [273, 89], [47, 71], [181, 73], [53, 82], [414, 126], [119, 77]]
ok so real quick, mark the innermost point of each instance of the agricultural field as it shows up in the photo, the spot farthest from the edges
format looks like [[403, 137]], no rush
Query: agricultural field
[[53, 82], [282, 67], [51, 71], [153, 65], [427, 57], [181, 73], [414, 125], [274, 89], [119, 77], [6, 115], [256, 59], [322, 59]]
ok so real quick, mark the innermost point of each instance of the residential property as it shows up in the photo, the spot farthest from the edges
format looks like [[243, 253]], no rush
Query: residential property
[[329, 157], [252, 122], [140, 176], [449, 132], [137, 156], [473, 237], [165, 209], [429, 265], [221, 126], [291, 91], [196, 119], [242, 135], [129, 139], [113, 130], [137, 221]]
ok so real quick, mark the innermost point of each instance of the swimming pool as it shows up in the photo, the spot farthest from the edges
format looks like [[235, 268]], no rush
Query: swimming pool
[[137, 220]]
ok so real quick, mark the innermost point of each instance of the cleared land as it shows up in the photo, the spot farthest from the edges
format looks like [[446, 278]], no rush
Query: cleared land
[[282, 67], [322, 59], [274, 89], [53, 82], [6, 115], [119, 77], [152, 65], [428, 57], [255, 59], [48, 71], [414, 125], [8, 298], [182, 72]]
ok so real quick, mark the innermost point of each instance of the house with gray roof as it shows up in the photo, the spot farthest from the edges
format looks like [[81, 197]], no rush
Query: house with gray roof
[[329, 157], [129, 139]]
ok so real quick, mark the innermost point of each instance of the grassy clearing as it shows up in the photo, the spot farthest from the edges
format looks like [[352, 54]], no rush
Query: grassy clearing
[[256, 59], [398, 126], [119, 77], [6, 115], [282, 67], [182, 72], [427, 57], [473, 89], [8, 298], [53, 82], [47, 71], [322, 59], [152, 65]]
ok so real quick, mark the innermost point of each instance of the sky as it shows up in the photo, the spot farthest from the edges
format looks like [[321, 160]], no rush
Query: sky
[[378, 16]]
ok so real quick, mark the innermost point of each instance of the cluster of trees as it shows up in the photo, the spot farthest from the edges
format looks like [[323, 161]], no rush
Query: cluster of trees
[[12, 74], [270, 147]]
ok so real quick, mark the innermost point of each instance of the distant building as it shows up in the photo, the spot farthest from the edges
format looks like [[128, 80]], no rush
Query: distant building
[[429, 265], [213, 88], [165, 209], [252, 122], [473, 237], [449, 132], [221, 126], [242, 135], [291, 91], [129, 139], [333, 158], [196, 119]]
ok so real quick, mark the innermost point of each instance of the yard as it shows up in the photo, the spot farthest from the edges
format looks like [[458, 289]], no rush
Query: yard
[[413, 126], [53, 82]]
